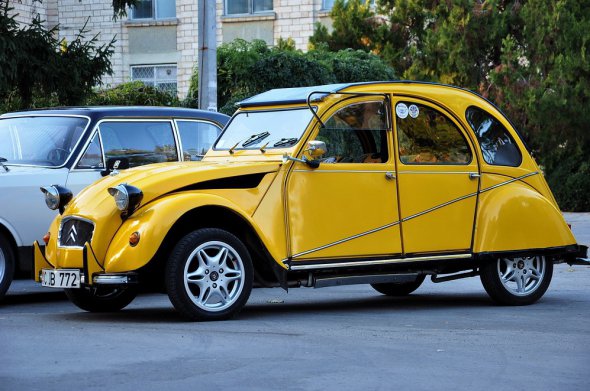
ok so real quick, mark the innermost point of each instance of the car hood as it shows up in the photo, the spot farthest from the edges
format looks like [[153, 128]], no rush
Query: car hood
[[155, 180]]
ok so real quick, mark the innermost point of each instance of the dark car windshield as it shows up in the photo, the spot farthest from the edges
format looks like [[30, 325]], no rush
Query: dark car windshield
[[40, 141], [251, 130]]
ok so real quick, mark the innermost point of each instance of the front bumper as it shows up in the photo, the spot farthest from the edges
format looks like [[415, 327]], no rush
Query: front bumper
[[92, 272]]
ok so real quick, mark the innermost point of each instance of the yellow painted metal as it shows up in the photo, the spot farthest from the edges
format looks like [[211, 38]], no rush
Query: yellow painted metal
[[337, 202], [514, 216], [40, 262]]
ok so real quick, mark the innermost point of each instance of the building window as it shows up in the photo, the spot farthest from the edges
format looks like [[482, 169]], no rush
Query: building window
[[236, 7], [159, 76], [154, 9]]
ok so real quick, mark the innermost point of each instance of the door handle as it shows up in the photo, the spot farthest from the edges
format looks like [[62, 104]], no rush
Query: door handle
[[474, 175], [390, 176]]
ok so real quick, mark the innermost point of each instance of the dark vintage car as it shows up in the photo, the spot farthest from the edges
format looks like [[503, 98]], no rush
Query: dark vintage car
[[72, 147]]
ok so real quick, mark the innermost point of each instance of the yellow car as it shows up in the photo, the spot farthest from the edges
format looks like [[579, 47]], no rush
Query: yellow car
[[366, 183]]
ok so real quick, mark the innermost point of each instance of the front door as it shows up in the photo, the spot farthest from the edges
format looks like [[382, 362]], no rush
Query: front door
[[438, 179], [347, 208]]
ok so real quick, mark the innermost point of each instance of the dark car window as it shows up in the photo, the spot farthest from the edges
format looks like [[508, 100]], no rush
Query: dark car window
[[497, 146], [142, 142], [356, 134], [426, 136], [92, 158], [196, 138]]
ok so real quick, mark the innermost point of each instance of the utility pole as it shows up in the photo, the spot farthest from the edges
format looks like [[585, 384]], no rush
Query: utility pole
[[207, 57]]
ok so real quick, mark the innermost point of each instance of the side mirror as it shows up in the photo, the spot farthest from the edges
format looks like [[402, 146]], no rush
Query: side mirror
[[114, 164], [314, 149]]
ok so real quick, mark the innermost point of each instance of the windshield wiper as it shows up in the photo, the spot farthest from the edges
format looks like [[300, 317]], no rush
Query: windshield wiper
[[285, 141], [255, 138], [2, 160]]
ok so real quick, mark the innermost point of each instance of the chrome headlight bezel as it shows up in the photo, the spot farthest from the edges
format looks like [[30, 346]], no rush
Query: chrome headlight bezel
[[57, 197]]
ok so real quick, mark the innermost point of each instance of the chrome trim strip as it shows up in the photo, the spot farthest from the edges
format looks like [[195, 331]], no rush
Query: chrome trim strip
[[379, 262], [509, 181], [437, 172], [347, 171], [439, 206], [346, 239]]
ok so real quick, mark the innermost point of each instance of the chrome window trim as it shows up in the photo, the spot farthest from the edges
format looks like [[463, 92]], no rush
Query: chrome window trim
[[73, 217], [89, 120]]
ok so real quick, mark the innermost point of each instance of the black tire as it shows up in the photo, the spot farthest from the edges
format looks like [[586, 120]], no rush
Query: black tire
[[209, 275], [517, 281], [102, 298], [399, 288], [7, 265]]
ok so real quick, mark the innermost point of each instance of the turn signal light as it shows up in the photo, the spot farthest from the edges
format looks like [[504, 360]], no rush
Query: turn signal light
[[134, 239], [46, 237]]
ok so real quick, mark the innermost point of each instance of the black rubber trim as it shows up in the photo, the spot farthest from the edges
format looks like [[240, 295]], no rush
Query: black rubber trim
[[570, 251]]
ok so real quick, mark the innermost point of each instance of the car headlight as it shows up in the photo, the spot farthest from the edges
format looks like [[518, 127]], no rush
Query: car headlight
[[57, 197], [127, 198]]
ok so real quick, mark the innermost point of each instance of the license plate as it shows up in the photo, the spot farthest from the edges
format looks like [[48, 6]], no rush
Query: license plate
[[62, 278]]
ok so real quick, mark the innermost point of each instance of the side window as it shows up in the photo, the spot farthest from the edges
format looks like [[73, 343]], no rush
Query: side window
[[196, 138], [92, 158], [497, 146], [426, 136], [356, 134], [141, 142]]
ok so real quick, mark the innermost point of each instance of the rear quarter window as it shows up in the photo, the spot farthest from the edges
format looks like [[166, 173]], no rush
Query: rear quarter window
[[497, 145]]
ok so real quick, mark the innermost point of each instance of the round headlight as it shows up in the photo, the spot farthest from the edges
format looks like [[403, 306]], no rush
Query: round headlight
[[127, 198], [121, 196], [56, 197], [51, 197]]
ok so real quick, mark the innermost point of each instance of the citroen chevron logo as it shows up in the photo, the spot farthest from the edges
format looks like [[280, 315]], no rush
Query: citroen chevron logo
[[72, 235]]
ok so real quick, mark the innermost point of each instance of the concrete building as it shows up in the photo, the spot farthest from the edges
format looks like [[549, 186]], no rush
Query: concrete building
[[157, 42]]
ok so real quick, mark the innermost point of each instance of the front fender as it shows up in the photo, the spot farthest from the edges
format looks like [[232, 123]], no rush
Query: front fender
[[153, 223], [516, 217]]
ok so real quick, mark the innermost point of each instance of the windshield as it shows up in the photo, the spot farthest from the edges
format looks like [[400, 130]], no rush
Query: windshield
[[273, 129], [40, 141]]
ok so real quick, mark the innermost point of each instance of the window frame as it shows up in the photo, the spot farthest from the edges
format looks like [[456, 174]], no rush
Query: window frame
[[250, 9], [96, 130], [155, 81], [154, 13], [446, 114]]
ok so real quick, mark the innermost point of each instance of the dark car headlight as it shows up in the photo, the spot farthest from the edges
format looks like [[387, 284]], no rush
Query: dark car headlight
[[57, 197], [127, 198]]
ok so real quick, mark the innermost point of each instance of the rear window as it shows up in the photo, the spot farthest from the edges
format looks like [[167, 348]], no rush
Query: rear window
[[497, 146]]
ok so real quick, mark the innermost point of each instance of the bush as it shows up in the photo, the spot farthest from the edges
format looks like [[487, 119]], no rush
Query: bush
[[134, 93]]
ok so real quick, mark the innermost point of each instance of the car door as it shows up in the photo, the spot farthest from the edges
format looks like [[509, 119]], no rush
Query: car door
[[346, 208], [438, 179]]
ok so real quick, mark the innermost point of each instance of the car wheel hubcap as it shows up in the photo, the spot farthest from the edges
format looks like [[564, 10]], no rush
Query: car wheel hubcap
[[214, 276], [521, 276]]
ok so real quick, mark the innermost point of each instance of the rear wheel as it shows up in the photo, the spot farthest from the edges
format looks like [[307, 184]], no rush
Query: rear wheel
[[7, 263], [209, 275], [399, 288], [102, 298], [518, 280]]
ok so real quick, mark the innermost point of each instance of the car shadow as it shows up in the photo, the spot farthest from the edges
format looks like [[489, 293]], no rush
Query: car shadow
[[32, 298]]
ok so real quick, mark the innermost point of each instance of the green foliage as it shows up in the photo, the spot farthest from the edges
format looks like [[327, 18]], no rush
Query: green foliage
[[134, 93], [249, 68], [33, 64], [529, 57]]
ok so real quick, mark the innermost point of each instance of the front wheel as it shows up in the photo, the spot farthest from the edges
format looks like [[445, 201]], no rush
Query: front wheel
[[209, 275], [7, 263], [518, 280], [102, 298]]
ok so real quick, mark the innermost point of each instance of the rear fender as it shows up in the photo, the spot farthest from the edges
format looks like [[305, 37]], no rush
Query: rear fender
[[516, 217]]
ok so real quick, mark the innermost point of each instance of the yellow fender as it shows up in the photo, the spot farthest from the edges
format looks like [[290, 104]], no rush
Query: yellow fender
[[153, 224], [516, 217]]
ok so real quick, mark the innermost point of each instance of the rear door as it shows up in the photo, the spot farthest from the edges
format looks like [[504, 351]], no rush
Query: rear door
[[438, 179]]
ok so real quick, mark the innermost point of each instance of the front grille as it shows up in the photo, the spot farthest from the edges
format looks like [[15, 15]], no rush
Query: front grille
[[75, 232]]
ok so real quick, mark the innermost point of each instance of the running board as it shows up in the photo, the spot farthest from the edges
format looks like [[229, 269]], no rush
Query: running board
[[320, 282]]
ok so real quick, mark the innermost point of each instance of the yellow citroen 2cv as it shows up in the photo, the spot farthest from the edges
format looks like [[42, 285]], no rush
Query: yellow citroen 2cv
[[380, 183]]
